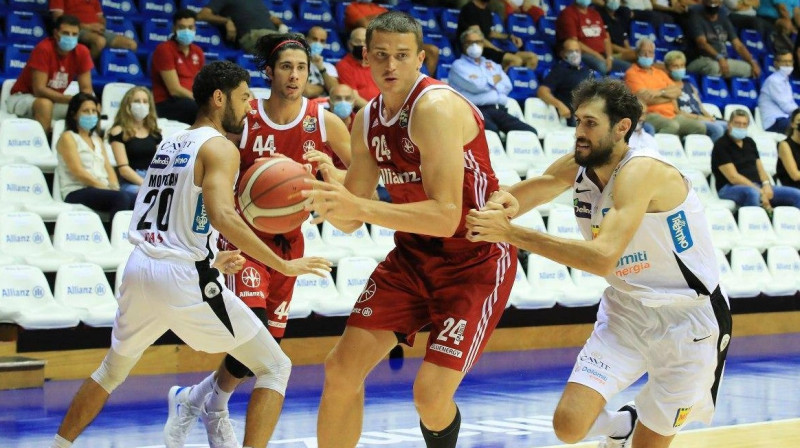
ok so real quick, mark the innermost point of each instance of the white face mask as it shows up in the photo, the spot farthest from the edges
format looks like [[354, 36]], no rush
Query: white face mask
[[786, 71], [516, 3], [474, 51], [574, 58], [140, 110]]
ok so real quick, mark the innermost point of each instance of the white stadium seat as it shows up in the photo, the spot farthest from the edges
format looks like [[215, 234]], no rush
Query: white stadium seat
[[734, 286], [23, 235], [24, 187], [84, 288], [316, 247], [23, 140], [26, 300], [767, 152], [704, 192], [81, 233], [358, 242], [786, 224], [784, 263], [310, 292], [5, 92], [525, 151], [525, 297], [671, 148], [531, 220], [507, 177], [383, 239], [351, 279], [112, 97], [748, 265], [543, 117], [561, 222], [724, 231], [119, 231], [755, 228], [553, 279], [558, 144], [698, 152], [587, 281], [497, 153]]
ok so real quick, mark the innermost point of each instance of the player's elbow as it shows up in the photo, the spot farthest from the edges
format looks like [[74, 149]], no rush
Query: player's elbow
[[220, 218], [451, 218]]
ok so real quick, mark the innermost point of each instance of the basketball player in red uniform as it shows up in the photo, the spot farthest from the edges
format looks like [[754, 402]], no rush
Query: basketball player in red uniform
[[287, 125], [428, 144]]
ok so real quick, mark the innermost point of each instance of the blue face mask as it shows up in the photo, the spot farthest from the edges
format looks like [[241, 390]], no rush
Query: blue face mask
[[316, 48], [87, 122], [612, 5], [67, 43], [644, 62], [678, 74], [583, 3], [184, 36], [738, 133], [343, 109]]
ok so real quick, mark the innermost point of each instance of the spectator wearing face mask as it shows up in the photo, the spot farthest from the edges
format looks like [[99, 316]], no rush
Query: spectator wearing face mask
[[618, 21], [578, 21], [322, 76], [556, 88], [341, 103], [775, 99], [689, 103], [485, 84], [134, 137], [354, 72], [640, 139]]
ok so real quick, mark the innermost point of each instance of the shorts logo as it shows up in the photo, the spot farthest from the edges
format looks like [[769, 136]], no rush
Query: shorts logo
[[159, 162], [679, 228], [723, 343], [681, 416], [366, 312], [211, 290], [309, 124], [181, 160], [446, 350], [250, 277], [368, 292]]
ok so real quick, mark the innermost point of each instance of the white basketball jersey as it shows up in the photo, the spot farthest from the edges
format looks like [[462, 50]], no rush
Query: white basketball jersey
[[670, 257], [169, 218]]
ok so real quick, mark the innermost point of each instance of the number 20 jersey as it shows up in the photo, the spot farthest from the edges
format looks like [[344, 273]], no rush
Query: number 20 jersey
[[169, 217]]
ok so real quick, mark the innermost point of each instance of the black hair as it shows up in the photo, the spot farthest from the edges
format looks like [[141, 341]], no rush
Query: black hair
[[269, 48], [184, 13], [71, 120], [66, 19], [396, 22], [218, 75], [620, 102]]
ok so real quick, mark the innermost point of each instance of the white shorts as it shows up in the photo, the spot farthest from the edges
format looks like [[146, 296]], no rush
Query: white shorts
[[682, 348], [21, 105], [157, 295]]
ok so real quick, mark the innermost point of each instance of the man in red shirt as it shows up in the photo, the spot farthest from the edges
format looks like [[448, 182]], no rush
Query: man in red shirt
[[55, 62], [175, 64], [578, 21], [93, 25], [354, 71]]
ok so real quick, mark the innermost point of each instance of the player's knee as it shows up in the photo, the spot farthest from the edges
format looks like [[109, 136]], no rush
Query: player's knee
[[113, 370], [567, 427], [337, 377], [430, 397], [275, 374], [236, 368]]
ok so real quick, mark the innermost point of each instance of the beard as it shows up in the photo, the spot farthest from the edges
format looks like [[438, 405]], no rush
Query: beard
[[229, 121], [598, 155]]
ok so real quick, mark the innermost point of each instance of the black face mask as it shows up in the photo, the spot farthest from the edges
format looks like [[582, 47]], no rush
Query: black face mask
[[357, 52], [712, 10], [797, 128]]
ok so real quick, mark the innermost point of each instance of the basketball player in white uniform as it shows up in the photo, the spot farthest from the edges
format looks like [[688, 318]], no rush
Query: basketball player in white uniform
[[170, 282], [646, 234]]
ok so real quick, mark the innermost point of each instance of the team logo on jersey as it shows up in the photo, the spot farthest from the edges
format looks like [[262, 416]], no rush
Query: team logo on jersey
[[250, 277], [368, 292], [159, 162], [681, 416], [408, 147], [200, 223], [582, 209], [310, 123], [181, 160], [679, 228], [255, 126], [309, 145], [404, 117], [211, 290]]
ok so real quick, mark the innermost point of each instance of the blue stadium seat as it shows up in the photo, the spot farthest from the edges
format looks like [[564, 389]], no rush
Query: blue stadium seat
[[248, 62], [333, 46], [449, 22], [497, 24], [446, 53], [194, 5], [443, 71], [120, 66], [732, 54], [120, 8], [542, 50], [122, 25], [714, 90], [313, 13], [154, 31], [754, 42], [559, 5], [209, 38], [338, 13], [691, 78], [547, 30], [3, 6], [795, 89], [521, 25], [427, 18], [25, 27], [28, 5], [744, 92], [283, 9], [15, 59], [641, 30], [670, 35], [661, 52], [157, 8], [210, 56], [617, 75], [524, 83]]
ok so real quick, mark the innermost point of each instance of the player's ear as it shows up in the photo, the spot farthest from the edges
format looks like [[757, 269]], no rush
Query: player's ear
[[268, 72], [624, 126], [218, 97]]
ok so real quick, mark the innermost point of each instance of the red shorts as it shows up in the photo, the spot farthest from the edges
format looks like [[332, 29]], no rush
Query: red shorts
[[261, 287], [461, 294]]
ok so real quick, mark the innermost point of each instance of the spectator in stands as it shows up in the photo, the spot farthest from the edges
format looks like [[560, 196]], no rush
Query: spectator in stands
[[740, 175], [532, 8], [485, 84], [476, 14], [354, 72], [775, 98], [55, 62], [743, 15], [659, 92], [640, 138], [689, 103], [618, 21], [709, 31], [93, 25], [784, 13], [578, 21], [359, 14], [556, 88], [85, 173], [175, 64], [244, 21], [322, 76], [134, 137], [643, 11], [341, 103], [788, 169]]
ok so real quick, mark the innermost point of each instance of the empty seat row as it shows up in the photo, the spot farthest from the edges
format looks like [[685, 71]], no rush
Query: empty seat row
[[754, 228], [748, 275]]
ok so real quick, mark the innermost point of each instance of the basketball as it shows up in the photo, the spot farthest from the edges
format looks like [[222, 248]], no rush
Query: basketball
[[268, 195]]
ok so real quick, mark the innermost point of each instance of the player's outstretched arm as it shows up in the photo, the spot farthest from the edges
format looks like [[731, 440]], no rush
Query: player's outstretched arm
[[217, 166], [539, 190]]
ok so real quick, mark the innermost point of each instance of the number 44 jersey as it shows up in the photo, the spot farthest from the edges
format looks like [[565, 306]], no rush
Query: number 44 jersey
[[169, 218]]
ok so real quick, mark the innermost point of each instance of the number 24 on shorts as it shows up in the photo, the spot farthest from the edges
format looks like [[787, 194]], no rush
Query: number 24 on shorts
[[453, 330]]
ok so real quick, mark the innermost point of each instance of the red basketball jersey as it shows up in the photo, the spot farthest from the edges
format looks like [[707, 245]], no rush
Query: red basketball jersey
[[263, 138], [399, 161]]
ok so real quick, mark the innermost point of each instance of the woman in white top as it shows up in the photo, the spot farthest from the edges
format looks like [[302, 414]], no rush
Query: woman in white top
[[85, 174]]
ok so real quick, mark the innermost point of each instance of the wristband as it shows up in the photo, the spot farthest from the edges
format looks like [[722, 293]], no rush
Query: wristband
[[720, 56], [764, 182]]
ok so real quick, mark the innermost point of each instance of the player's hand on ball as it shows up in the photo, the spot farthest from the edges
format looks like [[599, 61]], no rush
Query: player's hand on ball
[[490, 225], [307, 265], [330, 200], [229, 261], [505, 199], [318, 157]]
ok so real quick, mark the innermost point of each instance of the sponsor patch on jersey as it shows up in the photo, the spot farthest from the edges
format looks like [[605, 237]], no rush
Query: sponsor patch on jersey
[[404, 117], [200, 222], [408, 147], [681, 416], [309, 145], [159, 162], [582, 209], [679, 229], [310, 123], [181, 160]]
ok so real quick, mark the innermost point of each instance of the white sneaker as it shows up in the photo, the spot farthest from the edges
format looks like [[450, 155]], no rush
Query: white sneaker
[[622, 442], [182, 416], [219, 429]]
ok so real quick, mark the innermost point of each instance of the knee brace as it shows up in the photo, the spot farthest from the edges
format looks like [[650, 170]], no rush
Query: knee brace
[[113, 370], [266, 360], [275, 376]]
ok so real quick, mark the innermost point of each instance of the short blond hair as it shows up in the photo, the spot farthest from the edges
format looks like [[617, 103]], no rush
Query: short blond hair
[[674, 56]]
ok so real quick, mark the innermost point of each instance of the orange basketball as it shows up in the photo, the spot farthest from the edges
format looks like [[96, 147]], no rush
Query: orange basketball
[[268, 195]]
